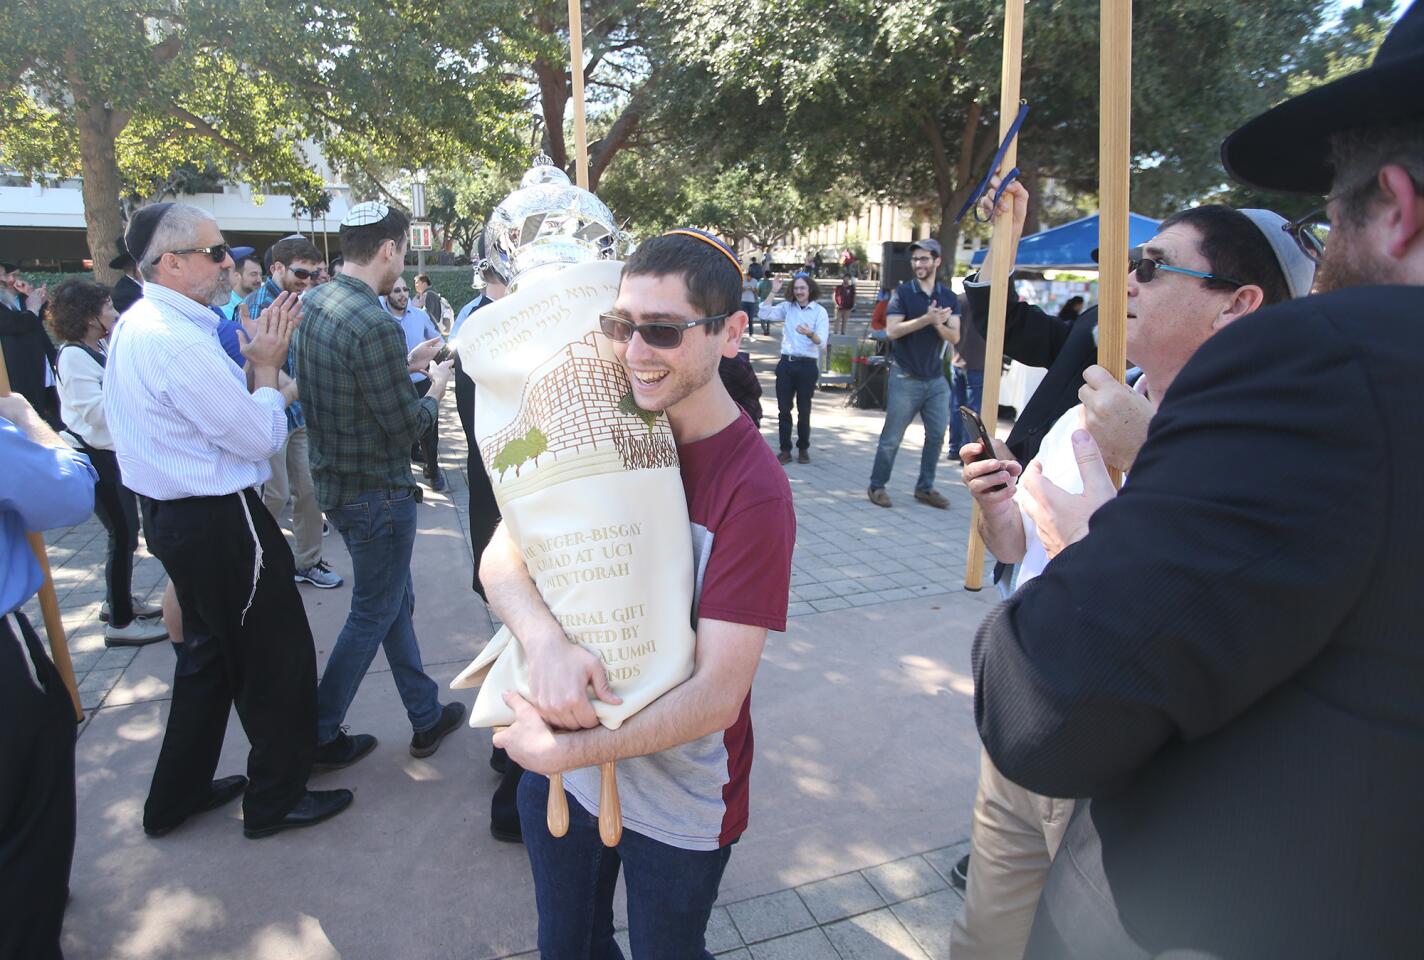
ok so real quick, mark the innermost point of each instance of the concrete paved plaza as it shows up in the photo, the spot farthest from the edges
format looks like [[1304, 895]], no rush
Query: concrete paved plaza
[[866, 756]]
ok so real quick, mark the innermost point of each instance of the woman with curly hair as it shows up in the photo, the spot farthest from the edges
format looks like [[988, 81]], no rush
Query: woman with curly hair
[[81, 317]]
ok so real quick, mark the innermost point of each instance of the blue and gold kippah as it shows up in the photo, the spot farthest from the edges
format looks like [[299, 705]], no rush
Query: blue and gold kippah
[[711, 241]]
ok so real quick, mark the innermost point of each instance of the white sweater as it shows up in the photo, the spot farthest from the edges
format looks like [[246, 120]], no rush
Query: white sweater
[[81, 397]]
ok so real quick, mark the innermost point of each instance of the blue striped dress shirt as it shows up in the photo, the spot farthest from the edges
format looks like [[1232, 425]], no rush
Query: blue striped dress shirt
[[182, 420]]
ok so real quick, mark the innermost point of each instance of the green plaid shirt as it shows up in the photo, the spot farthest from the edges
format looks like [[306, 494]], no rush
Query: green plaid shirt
[[361, 409]]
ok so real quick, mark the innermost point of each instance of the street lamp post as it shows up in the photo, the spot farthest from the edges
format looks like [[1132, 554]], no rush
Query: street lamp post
[[417, 209]]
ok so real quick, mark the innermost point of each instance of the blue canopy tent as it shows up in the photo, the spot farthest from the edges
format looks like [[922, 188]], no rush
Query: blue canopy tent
[[1071, 245]]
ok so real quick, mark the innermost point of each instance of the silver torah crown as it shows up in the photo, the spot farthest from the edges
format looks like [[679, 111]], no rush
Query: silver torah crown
[[549, 222]]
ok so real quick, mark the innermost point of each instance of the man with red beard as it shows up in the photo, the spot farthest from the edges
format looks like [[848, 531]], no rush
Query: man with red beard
[[1227, 666]]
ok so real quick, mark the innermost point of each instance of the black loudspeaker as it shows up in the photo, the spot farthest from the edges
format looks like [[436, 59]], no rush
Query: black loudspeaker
[[894, 264]]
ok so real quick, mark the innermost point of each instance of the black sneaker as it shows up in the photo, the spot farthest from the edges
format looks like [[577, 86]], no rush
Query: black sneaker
[[425, 742], [343, 751], [959, 874], [505, 833]]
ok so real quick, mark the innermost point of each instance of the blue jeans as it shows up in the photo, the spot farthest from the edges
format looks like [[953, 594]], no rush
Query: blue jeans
[[905, 397], [967, 390], [379, 530], [670, 890]]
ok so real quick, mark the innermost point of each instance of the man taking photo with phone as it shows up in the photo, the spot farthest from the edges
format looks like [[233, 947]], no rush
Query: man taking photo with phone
[[1206, 268]]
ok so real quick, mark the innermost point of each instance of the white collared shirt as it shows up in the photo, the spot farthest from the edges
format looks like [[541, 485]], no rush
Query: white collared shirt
[[178, 409], [792, 315]]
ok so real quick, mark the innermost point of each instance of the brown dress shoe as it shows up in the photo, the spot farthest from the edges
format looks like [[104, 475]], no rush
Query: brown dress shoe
[[878, 496], [803, 457], [784, 456], [933, 497]]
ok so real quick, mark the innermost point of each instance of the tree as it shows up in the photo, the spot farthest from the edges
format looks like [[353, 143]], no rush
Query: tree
[[663, 188], [624, 47], [900, 96], [124, 92], [460, 201]]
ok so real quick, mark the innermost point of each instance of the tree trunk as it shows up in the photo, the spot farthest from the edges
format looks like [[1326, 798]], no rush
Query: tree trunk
[[1028, 176], [99, 165]]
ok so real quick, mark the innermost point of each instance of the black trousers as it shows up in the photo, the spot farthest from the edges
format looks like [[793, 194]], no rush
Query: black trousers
[[262, 661], [484, 509], [36, 797], [117, 509], [796, 379], [504, 804], [429, 442]]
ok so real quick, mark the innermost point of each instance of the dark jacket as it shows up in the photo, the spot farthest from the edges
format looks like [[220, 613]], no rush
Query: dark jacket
[[28, 351], [1230, 664], [742, 384], [1040, 339]]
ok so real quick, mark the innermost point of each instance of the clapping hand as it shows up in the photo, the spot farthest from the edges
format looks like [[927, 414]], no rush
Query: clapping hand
[[265, 340]]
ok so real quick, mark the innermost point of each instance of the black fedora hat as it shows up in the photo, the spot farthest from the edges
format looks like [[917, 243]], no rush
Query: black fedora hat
[[1288, 147], [124, 260]]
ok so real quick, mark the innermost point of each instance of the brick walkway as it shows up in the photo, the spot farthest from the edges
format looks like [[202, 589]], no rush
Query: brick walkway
[[897, 571]]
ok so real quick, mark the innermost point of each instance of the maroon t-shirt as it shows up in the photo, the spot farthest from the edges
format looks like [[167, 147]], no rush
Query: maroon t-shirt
[[694, 795], [743, 533]]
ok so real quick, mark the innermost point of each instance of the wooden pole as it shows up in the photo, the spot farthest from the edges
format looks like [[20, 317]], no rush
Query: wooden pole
[[1005, 253], [1114, 154], [576, 71], [49, 601]]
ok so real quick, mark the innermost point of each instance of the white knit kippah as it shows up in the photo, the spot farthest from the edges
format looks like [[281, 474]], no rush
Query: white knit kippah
[[372, 211]]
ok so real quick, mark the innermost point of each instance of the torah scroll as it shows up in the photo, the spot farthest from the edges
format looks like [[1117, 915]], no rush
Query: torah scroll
[[589, 488]]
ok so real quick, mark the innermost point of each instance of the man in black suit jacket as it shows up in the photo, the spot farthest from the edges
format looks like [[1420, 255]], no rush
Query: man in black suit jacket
[[1229, 665], [30, 353]]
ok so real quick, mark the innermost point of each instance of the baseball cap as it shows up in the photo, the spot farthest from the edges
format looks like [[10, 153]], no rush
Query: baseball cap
[[929, 245]]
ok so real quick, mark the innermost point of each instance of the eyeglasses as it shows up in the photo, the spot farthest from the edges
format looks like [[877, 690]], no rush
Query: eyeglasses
[[1310, 232], [922, 260], [400, 290], [662, 334], [218, 253], [1146, 269]]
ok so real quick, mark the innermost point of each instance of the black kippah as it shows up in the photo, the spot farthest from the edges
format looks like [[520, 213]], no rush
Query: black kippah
[[142, 226]]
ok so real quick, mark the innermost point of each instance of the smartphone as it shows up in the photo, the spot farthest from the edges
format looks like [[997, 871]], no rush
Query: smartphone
[[974, 426], [445, 353]]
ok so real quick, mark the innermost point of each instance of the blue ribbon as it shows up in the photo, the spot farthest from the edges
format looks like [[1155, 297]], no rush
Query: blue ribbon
[[1009, 177]]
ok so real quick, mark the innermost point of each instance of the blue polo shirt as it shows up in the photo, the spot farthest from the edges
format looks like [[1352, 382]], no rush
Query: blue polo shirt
[[920, 354]]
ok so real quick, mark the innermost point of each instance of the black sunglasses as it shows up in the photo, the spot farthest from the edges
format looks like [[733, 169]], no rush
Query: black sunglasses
[[301, 274], [1146, 269], [662, 334], [1310, 233], [218, 253]]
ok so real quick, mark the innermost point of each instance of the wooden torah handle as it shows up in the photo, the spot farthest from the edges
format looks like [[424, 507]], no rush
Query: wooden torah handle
[[557, 813], [610, 813]]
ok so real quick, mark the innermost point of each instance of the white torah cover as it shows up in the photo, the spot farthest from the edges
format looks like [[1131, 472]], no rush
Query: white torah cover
[[589, 488]]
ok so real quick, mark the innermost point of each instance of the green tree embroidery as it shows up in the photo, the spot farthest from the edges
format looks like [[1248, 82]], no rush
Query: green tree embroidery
[[629, 406], [519, 451]]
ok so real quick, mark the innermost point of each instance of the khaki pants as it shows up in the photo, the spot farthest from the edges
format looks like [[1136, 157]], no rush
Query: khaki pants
[[292, 479], [1015, 836], [842, 316]]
